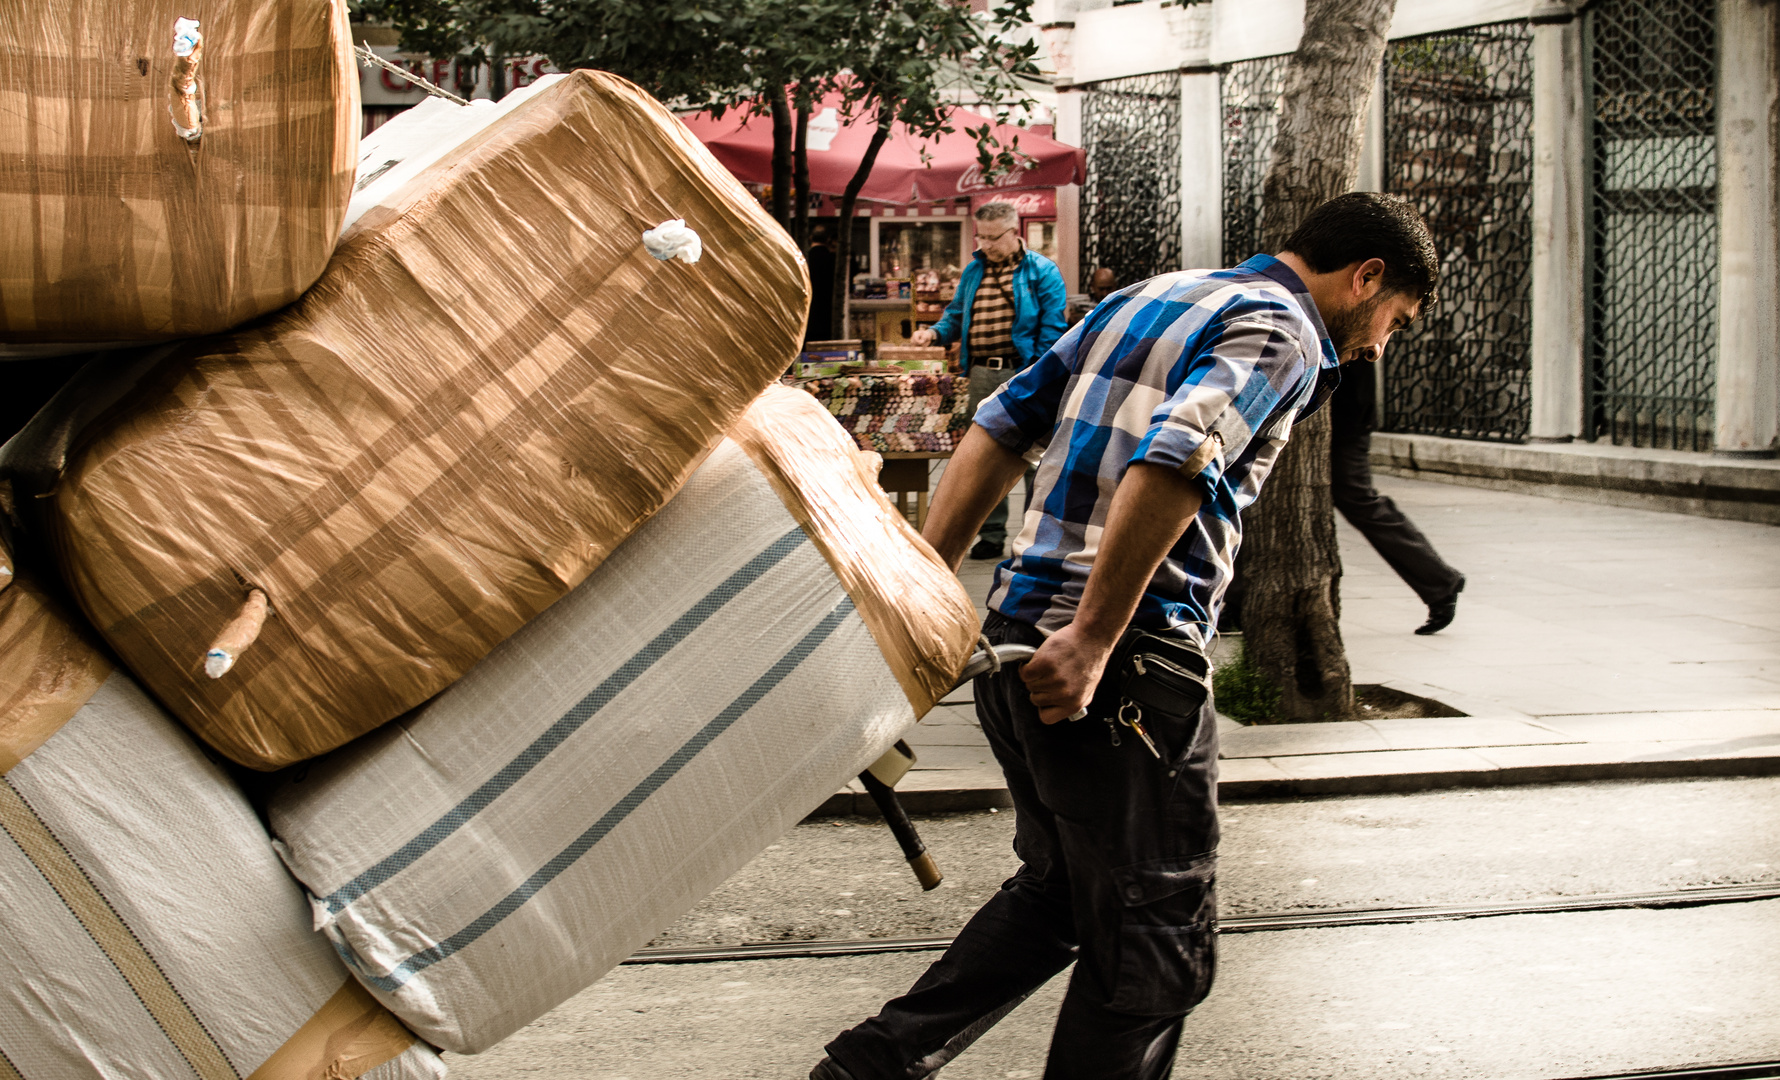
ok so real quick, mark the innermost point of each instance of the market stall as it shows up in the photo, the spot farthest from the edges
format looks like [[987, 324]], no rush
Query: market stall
[[911, 230], [906, 406]]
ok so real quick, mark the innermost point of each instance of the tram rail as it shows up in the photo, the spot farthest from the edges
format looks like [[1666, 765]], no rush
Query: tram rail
[[1249, 924]]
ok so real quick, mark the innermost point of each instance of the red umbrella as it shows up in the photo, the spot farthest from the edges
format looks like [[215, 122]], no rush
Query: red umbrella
[[908, 169]]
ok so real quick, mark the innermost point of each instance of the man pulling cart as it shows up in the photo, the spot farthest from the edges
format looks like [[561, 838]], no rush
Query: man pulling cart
[[1152, 424]]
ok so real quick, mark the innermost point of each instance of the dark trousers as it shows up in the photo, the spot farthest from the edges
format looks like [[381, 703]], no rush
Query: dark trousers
[[1392, 535], [1117, 874]]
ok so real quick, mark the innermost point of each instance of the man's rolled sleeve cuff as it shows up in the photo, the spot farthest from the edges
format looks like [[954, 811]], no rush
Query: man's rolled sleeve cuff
[[1189, 452], [993, 417]]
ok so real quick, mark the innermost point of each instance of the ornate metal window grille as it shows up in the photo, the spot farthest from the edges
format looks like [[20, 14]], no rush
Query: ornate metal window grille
[[1459, 144], [1250, 92], [1653, 279], [1131, 200]]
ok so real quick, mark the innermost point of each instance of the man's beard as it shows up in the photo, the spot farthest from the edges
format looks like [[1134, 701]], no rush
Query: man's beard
[[1348, 327]]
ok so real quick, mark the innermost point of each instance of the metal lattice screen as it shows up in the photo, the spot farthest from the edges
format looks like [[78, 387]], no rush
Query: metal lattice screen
[[1654, 245], [1131, 200], [1250, 92], [1459, 144]]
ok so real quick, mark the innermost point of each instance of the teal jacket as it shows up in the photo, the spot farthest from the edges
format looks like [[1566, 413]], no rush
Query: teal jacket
[[1039, 301]]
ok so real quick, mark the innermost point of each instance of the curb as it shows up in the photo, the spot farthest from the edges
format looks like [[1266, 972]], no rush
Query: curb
[[952, 800], [1505, 776]]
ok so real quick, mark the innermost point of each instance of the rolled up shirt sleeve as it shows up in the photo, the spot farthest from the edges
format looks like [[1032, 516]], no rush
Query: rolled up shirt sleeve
[[1226, 395], [1022, 413]]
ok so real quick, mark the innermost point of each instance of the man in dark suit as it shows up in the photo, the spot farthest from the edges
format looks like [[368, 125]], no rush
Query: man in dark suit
[[1353, 417]]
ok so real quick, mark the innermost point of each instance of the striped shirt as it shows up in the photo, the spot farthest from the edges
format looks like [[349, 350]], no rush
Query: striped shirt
[[1204, 371], [992, 310]]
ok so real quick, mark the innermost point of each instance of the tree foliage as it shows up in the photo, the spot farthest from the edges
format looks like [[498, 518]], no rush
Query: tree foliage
[[884, 61]]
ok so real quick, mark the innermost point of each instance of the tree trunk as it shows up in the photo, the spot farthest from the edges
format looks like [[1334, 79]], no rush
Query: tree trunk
[[800, 181], [843, 241], [1291, 604], [497, 75], [781, 157]]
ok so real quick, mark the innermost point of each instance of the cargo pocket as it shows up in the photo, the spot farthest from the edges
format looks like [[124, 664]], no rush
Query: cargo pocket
[[1167, 935]]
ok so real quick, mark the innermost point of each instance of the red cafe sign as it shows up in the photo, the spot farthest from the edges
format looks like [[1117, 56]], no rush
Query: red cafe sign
[[461, 76]]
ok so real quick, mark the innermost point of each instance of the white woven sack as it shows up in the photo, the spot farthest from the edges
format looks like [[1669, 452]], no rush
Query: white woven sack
[[147, 929], [592, 778]]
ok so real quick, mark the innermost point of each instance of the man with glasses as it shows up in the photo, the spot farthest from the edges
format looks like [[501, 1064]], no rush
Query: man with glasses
[[1008, 311], [1154, 422]]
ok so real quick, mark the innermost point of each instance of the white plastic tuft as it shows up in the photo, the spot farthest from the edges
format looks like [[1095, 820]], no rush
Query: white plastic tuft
[[217, 663], [673, 240], [186, 36]]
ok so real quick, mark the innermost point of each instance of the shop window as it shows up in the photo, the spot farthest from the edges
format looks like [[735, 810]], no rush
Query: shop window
[[907, 247], [1041, 236]]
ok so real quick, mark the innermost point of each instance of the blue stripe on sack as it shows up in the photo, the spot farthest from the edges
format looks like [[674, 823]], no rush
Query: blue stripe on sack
[[570, 722], [612, 818]]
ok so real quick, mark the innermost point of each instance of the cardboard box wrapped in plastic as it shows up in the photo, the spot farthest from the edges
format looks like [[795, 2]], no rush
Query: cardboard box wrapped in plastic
[[148, 929], [162, 179], [752, 648], [492, 386]]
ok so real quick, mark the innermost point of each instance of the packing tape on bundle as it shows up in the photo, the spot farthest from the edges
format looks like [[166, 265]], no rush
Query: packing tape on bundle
[[51, 671], [346, 1038], [922, 620]]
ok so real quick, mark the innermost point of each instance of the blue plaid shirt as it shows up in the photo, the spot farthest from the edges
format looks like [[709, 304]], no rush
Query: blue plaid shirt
[[1201, 371]]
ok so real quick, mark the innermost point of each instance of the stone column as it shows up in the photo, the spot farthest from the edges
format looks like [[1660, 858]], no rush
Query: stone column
[[1748, 413], [1069, 196], [1560, 217], [1372, 177], [1372, 164], [1201, 169]]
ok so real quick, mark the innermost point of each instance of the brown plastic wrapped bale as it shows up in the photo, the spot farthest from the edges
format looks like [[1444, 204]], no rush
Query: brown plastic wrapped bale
[[491, 387], [113, 226], [148, 928]]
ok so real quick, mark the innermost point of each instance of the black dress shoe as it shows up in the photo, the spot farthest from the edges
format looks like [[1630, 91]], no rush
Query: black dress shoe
[[986, 549], [1441, 612], [829, 1069]]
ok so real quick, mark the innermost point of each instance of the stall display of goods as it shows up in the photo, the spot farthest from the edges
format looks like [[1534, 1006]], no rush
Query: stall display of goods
[[148, 928], [760, 641], [903, 413], [932, 294], [165, 177], [295, 532], [828, 357], [911, 357]]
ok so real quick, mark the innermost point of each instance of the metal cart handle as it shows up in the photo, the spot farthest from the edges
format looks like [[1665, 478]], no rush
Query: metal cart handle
[[981, 662]]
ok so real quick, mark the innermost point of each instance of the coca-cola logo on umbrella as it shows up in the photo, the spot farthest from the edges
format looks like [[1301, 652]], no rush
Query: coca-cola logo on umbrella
[[972, 180]]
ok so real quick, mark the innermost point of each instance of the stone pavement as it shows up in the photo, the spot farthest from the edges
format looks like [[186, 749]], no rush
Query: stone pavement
[[1592, 642]]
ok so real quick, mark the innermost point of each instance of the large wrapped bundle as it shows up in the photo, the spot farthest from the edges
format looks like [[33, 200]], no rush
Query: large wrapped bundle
[[748, 651], [162, 179], [148, 930], [491, 387]]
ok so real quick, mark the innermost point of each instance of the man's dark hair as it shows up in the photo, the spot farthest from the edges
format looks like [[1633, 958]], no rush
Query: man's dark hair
[[1365, 225]]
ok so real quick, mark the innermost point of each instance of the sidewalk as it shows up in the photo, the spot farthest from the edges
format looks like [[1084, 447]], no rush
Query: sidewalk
[[1592, 642]]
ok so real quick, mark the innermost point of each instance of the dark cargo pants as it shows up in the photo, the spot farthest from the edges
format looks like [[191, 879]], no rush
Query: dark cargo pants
[[1117, 874]]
